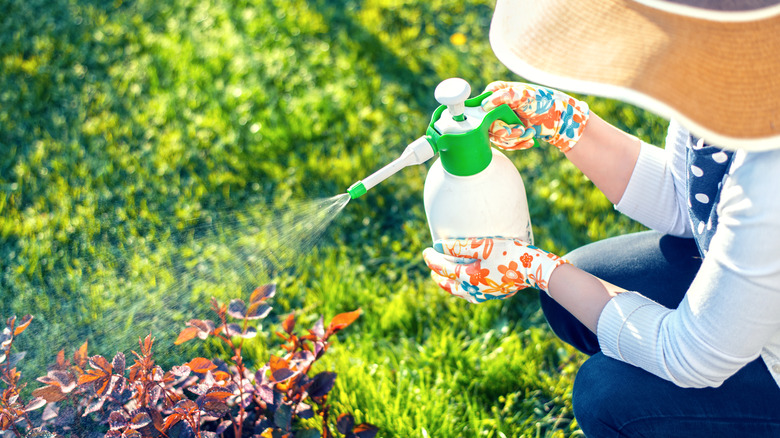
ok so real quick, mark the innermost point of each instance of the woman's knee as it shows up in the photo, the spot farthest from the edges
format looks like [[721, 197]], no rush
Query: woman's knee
[[601, 399], [568, 328]]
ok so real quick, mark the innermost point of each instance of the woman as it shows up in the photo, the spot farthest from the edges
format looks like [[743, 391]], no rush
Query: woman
[[683, 322]]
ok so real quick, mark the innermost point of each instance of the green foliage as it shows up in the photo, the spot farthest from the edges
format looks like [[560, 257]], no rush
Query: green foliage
[[145, 145]]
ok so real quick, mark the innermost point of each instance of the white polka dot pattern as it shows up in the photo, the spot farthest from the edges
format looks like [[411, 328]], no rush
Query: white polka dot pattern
[[707, 166], [720, 157]]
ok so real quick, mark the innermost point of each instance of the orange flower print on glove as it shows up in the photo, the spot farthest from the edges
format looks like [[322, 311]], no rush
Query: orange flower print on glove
[[547, 114], [511, 274], [476, 274], [484, 269], [526, 259]]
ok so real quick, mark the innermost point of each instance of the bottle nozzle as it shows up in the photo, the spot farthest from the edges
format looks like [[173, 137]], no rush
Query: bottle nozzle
[[357, 190], [418, 152]]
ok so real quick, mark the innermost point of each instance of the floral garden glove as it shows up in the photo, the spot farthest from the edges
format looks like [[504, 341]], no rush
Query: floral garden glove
[[555, 117], [481, 269]]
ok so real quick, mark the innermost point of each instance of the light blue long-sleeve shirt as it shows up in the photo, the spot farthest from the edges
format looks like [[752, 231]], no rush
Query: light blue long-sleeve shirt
[[731, 313]]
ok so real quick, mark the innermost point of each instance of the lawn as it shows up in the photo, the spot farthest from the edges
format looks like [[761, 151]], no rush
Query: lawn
[[156, 153]]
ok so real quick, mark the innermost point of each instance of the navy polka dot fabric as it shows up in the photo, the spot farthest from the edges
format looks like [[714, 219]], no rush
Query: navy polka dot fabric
[[707, 169]]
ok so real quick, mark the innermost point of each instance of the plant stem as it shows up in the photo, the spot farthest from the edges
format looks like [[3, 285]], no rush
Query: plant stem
[[240, 366], [16, 431], [235, 426]]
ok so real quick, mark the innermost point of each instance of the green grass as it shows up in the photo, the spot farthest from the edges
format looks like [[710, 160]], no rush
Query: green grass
[[125, 125]]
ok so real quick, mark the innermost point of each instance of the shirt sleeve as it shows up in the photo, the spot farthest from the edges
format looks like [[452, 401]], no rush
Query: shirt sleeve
[[732, 308], [655, 195]]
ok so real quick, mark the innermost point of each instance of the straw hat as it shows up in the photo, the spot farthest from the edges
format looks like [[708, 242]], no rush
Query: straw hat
[[712, 65]]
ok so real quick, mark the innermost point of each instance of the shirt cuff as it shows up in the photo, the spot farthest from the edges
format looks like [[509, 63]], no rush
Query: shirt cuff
[[628, 330]]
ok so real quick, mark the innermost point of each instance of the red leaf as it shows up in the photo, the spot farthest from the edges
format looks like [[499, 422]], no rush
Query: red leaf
[[304, 411], [23, 325], [250, 332], [215, 305], [277, 363], [266, 393], [201, 365], [237, 309], [221, 376], [61, 359], [280, 369], [170, 400], [140, 420], [213, 403], [214, 408], [321, 384], [186, 335], [218, 393], [36, 403], [232, 329], [157, 419], [117, 420], [49, 393], [204, 326], [118, 363], [365, 430], [263, 293], [80, 356], [289, 323], [171, 420], [318, 329], [258, 310], [99, 362], [180, 372], [186, 407], [282, 375], [343, 320], [101, 376], [91, 376], [345, 423], [94, 406], [146, 345], [63, 379]]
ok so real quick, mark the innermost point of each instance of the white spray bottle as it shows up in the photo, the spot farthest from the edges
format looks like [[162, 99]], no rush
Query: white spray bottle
[[472, 190]]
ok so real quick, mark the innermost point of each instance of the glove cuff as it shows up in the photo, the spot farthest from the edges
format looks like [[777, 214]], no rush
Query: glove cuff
[[573, 116], [541, 267]]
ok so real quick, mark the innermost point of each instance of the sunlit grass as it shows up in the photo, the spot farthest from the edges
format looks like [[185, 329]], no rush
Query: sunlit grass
[[125, 125]]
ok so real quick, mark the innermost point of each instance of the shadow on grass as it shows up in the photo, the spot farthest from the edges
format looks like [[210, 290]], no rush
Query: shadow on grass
[[417, 85]]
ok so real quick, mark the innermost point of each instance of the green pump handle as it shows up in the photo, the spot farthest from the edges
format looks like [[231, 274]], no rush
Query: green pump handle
[[468, 153]]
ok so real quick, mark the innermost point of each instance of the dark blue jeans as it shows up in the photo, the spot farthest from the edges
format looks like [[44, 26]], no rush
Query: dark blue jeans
[[615, 399]]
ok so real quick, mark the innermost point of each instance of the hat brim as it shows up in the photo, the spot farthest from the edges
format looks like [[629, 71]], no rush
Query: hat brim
[[721, 80]]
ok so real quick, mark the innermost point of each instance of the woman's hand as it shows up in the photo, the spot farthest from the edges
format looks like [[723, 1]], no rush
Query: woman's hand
[[547, 114], [481, 269]]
